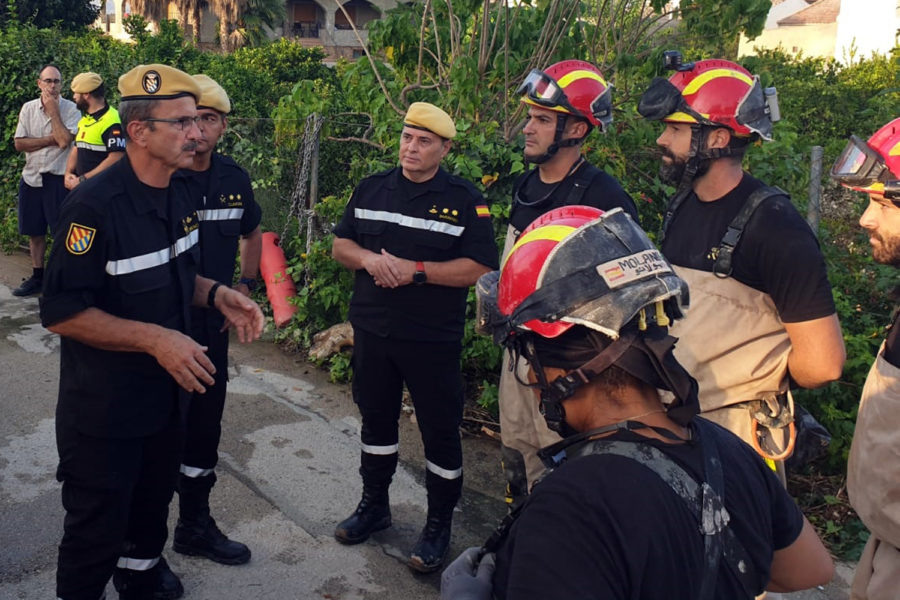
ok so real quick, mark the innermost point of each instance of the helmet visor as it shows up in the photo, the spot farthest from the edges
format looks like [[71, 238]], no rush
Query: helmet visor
[[859, 166], [753, 112], [601, 108], [488, 318], [661, 100], [541, 89]]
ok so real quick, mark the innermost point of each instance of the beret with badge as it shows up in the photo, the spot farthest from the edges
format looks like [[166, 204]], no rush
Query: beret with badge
[[157, 82], [212, 95], [85, 83], [422, 115]]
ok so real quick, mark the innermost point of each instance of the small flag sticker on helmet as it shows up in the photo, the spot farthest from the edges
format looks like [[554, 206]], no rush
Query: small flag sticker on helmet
[[639, 265], [79, 238], [483, 211]]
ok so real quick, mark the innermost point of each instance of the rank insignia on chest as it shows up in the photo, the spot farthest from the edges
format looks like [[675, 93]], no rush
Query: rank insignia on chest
[[80, 238], [190, 223]]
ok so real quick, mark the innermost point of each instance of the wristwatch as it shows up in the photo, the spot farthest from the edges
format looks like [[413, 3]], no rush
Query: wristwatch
[[250, 282], [419, 277]]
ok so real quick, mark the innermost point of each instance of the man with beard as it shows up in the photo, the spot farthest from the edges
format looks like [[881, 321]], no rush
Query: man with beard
[[762, 316], [873, 473], [565, 102], [120, 282], [100, 141], [44, 133]]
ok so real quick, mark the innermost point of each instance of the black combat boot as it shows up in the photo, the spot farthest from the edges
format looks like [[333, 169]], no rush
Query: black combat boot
[[373, 513], [431, 548], [196, 533], [158, 583]]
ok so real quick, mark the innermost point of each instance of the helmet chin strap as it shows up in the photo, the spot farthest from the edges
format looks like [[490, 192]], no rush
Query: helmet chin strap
[[553, 393], [698, 158], [558, 142]]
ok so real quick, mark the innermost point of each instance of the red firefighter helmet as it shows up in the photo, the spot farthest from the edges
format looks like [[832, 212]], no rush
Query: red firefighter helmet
[[867, 166], [572, 87], [712, 92]]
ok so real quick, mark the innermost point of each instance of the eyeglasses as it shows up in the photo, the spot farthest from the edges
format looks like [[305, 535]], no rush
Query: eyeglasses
[[51, 81], [180, 123]]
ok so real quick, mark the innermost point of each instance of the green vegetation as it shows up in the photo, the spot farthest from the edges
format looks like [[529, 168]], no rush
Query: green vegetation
[[469, 59]]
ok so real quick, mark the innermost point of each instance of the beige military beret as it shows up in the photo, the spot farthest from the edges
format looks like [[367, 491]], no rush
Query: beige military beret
[[85, 83], [159, 82], [212, 95], [429, 117]]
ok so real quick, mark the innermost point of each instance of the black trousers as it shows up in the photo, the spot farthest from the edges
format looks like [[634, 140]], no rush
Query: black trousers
[[431, 372], [116, 495], [204, 417]]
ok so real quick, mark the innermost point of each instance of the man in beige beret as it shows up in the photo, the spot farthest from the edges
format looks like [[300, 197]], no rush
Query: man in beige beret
[[416, 238], [120, 283], [100, 140], [229, 218], [44, 133]]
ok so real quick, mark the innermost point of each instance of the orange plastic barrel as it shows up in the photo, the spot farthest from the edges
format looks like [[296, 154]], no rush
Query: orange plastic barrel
[[279, 285]]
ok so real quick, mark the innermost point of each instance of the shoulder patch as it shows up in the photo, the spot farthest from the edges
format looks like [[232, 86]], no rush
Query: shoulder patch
[[483, 211], [80, 238]]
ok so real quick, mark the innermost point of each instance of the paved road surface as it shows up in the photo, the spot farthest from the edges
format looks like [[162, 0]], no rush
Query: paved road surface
[[288, 473]]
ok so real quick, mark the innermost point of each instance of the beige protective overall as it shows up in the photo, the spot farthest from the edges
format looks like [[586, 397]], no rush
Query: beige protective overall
[[733, 342], [873, 483], [523, 429]]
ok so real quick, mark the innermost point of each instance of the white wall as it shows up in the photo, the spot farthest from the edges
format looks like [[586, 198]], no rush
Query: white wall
[[866, 25]]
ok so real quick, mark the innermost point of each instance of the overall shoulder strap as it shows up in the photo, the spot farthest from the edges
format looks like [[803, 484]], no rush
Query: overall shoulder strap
[[582, 180], [722, 268], [705, 502], [674, 204]]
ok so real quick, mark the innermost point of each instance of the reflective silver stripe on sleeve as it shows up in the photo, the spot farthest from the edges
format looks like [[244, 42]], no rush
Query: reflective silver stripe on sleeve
[[153, 259], [220, 214], [94, 147], [137, 564], [445, 473], [407, 221], [194, 472], [380, 450]]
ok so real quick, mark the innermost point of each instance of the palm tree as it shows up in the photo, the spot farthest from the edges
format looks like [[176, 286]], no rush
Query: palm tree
[[240, 21]]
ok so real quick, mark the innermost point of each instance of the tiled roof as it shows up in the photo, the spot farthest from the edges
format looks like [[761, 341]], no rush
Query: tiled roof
[[819, 12]]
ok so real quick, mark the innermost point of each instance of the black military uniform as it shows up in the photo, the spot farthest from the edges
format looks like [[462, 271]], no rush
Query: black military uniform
[[412, 333], [130, 250], [226, 210]]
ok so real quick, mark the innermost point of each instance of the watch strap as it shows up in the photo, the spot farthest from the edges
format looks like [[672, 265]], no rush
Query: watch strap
[[250, 282], [211, 297]]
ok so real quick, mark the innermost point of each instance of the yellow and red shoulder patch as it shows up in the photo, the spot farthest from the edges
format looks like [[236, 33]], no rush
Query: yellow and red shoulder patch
[[80, 238], [482, 210]]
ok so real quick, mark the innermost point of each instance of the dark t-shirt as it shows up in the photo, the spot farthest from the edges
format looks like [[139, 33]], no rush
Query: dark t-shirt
[[532, 197], [778, 253], [606, 527]]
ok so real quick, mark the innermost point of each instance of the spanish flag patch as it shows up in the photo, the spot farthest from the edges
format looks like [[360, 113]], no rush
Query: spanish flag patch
[[79, 238], [482, 210]]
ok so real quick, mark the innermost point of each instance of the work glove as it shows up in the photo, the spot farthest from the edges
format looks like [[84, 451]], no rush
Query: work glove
[[468, 579]]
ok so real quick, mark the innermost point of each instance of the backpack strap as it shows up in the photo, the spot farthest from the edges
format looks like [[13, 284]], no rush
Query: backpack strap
[[722, 268]]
